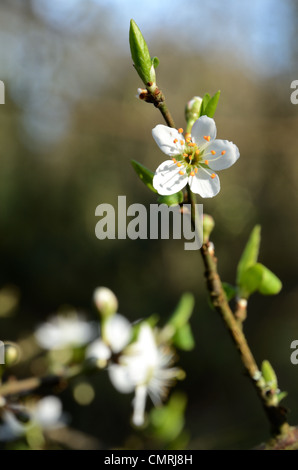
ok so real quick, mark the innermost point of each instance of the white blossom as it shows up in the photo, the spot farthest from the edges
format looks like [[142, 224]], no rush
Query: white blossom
[[144, 367], [116, 334], [64, 331], [195, 158]]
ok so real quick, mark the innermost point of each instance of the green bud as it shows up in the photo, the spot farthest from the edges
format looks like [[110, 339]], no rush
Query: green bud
[[208, 226], [11, 354], [106, 302], [269, 375], [140, 55]]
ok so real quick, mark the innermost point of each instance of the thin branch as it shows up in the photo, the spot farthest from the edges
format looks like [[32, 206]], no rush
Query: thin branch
[[276, 414], [43, 384], [154, 95]]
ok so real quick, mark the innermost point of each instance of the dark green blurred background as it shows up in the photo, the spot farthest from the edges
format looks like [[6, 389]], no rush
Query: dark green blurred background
[[69, 128]]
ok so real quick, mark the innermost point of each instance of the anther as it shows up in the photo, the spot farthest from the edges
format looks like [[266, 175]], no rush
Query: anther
[[213, 152], [207, 137], [180, 130], [207, 162], [191, 144], [223, 152], [213, 176], [192, 173], [197, 152], [185, 155], [182, 142], [181, 172], [175, 141], [174, 160], [188, 139], [196, 170], [179, 164]]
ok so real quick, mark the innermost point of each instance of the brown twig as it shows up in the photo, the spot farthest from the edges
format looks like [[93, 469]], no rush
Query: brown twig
[[276, 414]]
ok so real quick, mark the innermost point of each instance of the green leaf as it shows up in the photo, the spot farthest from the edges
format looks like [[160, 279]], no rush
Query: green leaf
[[172, 200], [212, 105], [269, 375], [205, 101], [155, 62], [270, 284], [183, 338], [281, 396], [230, 290], [144, 174], [151, 321], [250, 254], [166, 422], [251, 280], [183, 311], [259, 278], [140, 54]]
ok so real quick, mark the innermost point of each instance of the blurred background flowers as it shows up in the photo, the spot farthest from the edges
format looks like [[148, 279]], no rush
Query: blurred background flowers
[[69, 128]]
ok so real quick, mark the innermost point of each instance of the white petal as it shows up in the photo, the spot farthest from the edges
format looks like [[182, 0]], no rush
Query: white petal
[[164, 136], [60, 332], [167, 179], [142, 356], [98, 350], [120, 378], [221, 161], [203, 127], [117, 332], [203, 184], [139, 405], [48, 411]]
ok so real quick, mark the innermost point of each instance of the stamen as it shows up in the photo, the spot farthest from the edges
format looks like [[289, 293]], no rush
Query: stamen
[[196, 170], [180, 130], [185, 155], [188, 139], [192, 173], [207, 137], [213, 152], [207, 162], [179, 164], [223, 152], [182, 142], [181, 172], [191, 144], [175, 141], [174, 160], [213, 176], [197, 152]]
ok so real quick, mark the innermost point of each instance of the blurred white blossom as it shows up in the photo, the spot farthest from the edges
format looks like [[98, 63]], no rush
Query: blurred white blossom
[[145, 368], [116, 334], [65, 331], [46, 414]]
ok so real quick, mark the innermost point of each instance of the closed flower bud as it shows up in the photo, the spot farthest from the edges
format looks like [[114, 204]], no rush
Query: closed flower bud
[[11, 354], [192, 109], [105, 300]]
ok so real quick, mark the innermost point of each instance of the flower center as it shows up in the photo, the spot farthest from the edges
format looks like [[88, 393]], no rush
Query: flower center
[[191, 157]]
